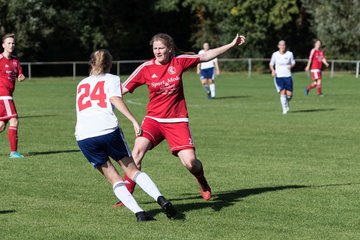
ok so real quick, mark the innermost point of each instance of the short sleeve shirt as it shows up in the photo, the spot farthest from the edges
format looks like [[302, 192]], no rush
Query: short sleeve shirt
[[95, 115], [165, 87]]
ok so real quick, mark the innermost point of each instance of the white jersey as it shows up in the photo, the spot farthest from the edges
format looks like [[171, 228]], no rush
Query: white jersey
[[94, 111], [282, 62], [209, 64]]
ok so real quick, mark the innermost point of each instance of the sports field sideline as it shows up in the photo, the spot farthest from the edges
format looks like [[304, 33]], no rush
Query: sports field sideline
[[273, 176]]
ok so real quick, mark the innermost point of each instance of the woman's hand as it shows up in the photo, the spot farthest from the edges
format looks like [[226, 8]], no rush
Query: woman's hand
[[238, 40], [137, 128]]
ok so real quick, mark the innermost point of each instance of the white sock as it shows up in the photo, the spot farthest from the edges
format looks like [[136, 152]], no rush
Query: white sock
[[212, 90], [146, 184], [283, 101], [125, 197]]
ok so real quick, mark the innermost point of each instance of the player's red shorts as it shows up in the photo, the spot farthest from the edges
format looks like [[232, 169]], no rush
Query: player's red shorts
[[178, 135], [316, 74], [7, 108]]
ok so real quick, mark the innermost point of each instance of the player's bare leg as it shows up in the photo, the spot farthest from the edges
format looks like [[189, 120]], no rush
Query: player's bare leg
[[13, 138], [318, 86], [2, 126], [311, 86], [205, 84], [194, 165], [141, 146]]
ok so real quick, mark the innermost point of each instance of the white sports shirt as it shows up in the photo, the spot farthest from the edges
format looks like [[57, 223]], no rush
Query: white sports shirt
[[209, 64], [94, 111], [282, 62]]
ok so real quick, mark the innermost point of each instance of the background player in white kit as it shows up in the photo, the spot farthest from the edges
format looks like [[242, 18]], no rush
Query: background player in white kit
[[283, 61], [99, 136], [207, 71]]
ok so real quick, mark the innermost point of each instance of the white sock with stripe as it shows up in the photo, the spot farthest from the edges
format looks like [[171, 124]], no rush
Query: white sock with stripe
[[125, 197], [147, 185]]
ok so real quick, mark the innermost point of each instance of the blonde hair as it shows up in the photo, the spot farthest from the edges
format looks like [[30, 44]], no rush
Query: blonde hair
[[100, 62], [8, 35]]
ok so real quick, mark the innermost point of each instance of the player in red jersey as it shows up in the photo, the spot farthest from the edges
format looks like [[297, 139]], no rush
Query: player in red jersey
[[316, 59], [167, 115], [10, 71]]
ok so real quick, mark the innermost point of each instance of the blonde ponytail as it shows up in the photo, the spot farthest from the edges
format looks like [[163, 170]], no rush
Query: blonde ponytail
[[100, 62]]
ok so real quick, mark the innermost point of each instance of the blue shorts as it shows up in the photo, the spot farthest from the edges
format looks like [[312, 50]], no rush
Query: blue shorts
[[207, 73], [282, 83], [97, 150]]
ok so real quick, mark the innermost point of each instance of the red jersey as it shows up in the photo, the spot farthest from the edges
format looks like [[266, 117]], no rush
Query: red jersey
[[316, 58], [166, 93], [10, 69]]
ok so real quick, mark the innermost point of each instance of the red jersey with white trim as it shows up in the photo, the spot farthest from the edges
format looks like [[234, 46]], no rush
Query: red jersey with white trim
[[316, 58], [10, 69], [166, 93]]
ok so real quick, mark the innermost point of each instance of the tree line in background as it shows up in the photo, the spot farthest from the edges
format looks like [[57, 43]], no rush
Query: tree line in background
[[60, 30]]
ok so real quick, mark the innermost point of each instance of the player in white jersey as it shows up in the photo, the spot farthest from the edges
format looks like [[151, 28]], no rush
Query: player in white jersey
[[99, 136], [283, 61], [207, 71]]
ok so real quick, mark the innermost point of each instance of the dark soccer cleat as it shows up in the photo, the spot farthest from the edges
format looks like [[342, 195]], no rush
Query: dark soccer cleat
[[205, 190], [166, 206], [143, 217]]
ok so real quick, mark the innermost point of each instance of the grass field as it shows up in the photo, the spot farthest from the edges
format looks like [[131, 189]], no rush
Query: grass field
[[273, 176]]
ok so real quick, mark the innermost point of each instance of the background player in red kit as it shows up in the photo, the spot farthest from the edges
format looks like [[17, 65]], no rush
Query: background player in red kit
[[316, 59], [167, 116], [10, 71]]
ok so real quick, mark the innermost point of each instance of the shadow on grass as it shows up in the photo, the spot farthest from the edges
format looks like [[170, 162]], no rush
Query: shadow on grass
[[221, 200], [7, 211], [231, 97], [51, 152], [38, 116], [313, 110]]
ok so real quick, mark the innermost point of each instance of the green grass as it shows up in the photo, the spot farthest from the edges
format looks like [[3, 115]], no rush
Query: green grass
[[273, 176]]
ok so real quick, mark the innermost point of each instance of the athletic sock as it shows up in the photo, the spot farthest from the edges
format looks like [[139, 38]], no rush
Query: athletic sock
[[283, 102], [212, 89], [125, 197], [311, 86], [146, 184], [206, 87], [130, 184], [319, 89], [13, 138]]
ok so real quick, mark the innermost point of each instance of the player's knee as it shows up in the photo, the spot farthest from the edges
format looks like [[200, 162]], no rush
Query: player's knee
[[191, 164], [137, 155], [2, 126], [13, 122]]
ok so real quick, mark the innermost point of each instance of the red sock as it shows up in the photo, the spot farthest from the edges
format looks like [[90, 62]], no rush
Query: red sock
[[200, 176], [319, 89], [13, 138], [130, 184], [311, 86]]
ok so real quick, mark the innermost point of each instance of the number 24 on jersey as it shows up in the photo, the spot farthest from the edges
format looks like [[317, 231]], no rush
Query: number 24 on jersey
[[88, 98]]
